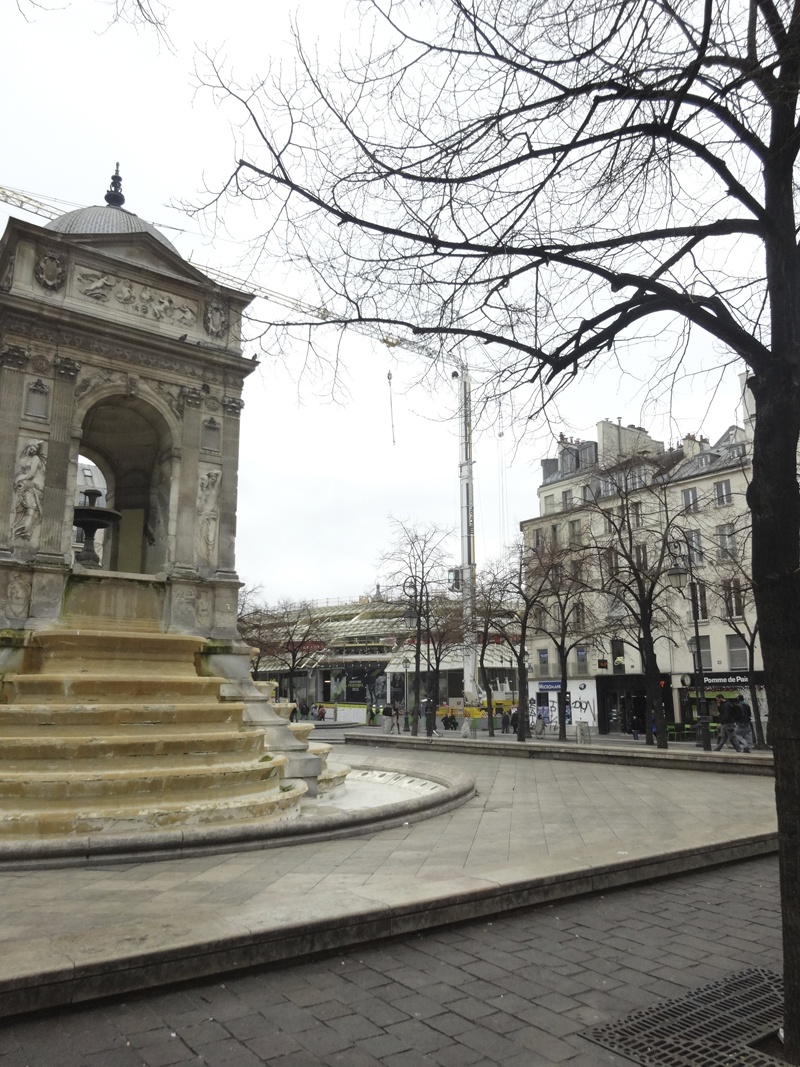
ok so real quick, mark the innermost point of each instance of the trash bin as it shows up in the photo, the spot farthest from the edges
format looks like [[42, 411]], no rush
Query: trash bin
[[583, 733]]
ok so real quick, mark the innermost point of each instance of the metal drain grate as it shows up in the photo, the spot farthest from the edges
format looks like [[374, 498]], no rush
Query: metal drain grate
[[713, 1026]]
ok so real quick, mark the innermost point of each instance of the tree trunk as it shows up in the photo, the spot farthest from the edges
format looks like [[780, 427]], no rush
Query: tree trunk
[[774, 501], [417, 658], [523, 726], [562, 698], [758, 726], [487, 689], [654, 692]]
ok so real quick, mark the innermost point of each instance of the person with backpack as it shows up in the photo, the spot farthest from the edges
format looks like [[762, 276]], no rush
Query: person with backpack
[[744, 727], [728, 719]]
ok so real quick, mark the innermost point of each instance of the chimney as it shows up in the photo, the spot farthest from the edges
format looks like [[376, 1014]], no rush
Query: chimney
[[690, 446]]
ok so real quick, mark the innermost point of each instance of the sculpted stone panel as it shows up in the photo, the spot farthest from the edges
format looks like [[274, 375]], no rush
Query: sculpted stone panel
[[18, 596], [41, 364], [95, 379], [37, 399], [50, 270], [215, 319], [207, 523], [137, 299], [15, 357], [28, 489], [8, 275], [66, 369]]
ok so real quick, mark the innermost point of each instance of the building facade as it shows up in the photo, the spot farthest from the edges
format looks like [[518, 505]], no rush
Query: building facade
[[623, 508]]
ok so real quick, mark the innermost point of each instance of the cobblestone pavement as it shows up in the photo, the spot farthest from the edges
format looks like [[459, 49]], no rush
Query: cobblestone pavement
[[514, 992]]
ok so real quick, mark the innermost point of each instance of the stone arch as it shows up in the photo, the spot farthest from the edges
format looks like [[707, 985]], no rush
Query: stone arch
[[132, 442]]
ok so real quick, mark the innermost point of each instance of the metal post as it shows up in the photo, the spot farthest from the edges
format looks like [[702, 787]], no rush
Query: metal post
[[467, 539], [700, 688]]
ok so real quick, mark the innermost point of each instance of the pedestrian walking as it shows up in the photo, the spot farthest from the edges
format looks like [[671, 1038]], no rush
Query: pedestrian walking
[[635, 727], [744, 727], [514, 720], [505, 722], [728, 714], [371, 715], [539, 728], [395, 719]]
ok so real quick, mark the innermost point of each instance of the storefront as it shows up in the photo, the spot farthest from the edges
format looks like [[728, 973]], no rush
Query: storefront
[[729, 683], [622, 700]]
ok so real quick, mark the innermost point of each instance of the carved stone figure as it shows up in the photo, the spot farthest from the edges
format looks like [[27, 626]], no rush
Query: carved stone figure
[[215, 319], [96, 286], [132, 386], [28, 490], [92, 380], [186, 315], [125, 293], [8, 275], [204, 608], [18, 596], [66, 369], [207, 516], [50, 270]]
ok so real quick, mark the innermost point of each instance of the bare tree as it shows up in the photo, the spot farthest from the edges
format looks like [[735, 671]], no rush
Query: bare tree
[[541, 178], [566, 613], [289, 636], [490, 612], [444, 632], [416, 565]]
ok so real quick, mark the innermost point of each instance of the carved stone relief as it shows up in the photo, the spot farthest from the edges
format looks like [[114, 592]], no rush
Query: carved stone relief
[[8, 275], [50, 270], [207, 525], [215, 319], [28, 489], [204, 609], [18, 596], [41, 364], [142, 357], [170, 393], [37, 399], [138, 299], [66, 369], [211, 437], [15, 357], [132, 385], [191, 398], [233, 406], [91, 381], [212, 404]]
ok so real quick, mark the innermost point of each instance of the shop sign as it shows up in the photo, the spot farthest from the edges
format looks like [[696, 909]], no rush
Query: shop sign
[[549, 687]]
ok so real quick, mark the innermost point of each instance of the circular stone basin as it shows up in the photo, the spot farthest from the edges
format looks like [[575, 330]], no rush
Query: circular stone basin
[[375, 798], [374, 789]]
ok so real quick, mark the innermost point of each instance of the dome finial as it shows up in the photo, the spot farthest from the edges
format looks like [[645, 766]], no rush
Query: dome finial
[[114, 197]]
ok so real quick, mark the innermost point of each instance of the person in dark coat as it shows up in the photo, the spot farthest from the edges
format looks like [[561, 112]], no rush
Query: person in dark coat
[[728, 717]]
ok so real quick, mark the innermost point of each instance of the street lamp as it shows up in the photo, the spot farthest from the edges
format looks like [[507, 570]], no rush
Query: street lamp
[[678, 575], [405, 696], [414, 589]]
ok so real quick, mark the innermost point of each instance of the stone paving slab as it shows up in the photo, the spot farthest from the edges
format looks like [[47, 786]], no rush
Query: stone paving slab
[[536, 831], [518, 990], [678, 756]]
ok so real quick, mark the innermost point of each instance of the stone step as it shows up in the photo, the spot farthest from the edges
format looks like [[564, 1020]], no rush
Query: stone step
[[111, 687], [60, 781], [28, 743], [34, 821], [125, 713]]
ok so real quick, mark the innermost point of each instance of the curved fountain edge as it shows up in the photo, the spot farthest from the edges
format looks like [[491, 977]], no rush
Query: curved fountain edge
[[459, 787]]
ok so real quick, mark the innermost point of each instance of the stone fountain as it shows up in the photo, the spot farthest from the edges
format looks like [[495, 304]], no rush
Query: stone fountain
[[127, 708]]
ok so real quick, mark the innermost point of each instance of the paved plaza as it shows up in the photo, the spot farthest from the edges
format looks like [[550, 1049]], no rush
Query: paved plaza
[[513, 991]]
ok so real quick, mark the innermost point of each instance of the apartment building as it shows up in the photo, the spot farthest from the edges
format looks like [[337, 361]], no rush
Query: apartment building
[[624, 507]]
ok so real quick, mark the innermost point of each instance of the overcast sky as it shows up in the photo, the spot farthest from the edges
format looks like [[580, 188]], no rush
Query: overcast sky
[[319, 476]]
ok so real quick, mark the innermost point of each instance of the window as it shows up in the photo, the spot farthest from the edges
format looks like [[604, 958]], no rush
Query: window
[[566, 500], [544, 663], [538, 538], [701, 593], [705, 652], [726, 540], [88, 476], [579, 616], [538, 618], [722, 493], [554, 535], [690, 499], [733, 598], [609, 526], [549, 504], [737, 652], [640, 557], [575, 537], [618, 655], [582, 661], [586, 493], [636, 516], [637, 478], [576, 570], [611, 561], [695, 544], [607, 487]]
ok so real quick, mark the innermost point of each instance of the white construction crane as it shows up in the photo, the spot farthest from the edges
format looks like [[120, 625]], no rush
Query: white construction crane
[[50, 208]]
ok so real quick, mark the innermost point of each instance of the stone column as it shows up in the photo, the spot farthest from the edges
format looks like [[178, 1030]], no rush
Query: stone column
[[191, 402], [226, 549], [54, 502], [13, 363]]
